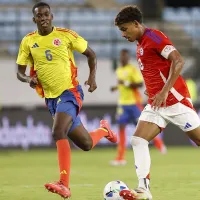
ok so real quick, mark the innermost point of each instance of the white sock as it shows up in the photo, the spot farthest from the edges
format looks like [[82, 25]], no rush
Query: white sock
[[142, 160], [144, 183]]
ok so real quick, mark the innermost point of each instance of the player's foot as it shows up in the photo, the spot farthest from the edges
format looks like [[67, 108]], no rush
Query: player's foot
[[59, 189], [118, 162], [112, 137], [139, 193]]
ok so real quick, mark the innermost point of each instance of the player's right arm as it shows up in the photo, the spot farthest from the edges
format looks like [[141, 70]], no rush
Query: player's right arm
[[22, 61]]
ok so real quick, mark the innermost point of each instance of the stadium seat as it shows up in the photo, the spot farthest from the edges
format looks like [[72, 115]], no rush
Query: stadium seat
[[127, 1]]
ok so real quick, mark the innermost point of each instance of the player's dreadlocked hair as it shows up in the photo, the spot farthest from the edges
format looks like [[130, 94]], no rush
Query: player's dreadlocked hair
[[40, 4], [128, 14]]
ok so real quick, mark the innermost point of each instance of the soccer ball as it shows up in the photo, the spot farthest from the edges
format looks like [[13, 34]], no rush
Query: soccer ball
[[112, 190]]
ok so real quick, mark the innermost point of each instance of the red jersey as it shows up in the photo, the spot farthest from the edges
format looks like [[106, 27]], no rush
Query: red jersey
[[153, 50]]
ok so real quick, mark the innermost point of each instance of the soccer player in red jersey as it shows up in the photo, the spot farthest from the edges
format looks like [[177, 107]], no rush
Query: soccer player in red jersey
[[168, 96], [54, 75], [129, 104]]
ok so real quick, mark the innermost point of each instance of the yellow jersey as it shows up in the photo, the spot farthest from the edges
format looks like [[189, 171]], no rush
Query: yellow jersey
[[129, 74], [53, 58], [192, 89]]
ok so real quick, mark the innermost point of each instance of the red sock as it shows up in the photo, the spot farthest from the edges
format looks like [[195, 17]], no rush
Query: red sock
[[97, 135], [64, 160], [121, 148], [158, 143]]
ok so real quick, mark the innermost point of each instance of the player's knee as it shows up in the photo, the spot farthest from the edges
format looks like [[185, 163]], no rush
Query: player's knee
[[87, 145], [136, 141], [197, 142], [58, 134]]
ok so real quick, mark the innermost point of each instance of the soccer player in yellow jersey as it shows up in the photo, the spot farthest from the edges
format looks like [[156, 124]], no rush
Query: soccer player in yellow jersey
[[55, 71], [129, 104]]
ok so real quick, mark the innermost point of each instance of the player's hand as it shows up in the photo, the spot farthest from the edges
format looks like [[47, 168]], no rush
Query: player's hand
[[33, 81], [159, 100], [146, 93], [120, 82], [114, 88], [92, 83]]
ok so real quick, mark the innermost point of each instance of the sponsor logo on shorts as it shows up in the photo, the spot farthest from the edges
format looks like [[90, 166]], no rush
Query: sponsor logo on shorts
[[187, 125]]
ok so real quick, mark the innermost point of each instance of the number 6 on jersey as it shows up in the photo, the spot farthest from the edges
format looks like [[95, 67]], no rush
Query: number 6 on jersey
[[48, 54]]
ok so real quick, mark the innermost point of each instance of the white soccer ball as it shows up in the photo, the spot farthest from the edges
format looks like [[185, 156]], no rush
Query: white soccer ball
[[112, 190]]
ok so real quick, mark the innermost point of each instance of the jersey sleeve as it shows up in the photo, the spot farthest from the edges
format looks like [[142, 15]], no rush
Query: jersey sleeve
[[162, 44], [136, 75], [24, 52], [78, 43]]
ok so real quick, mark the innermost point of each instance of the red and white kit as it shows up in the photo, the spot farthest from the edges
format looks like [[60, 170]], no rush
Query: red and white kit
[[153, 50]]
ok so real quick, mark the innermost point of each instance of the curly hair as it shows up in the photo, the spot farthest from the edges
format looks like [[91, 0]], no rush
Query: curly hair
[[128, 14]]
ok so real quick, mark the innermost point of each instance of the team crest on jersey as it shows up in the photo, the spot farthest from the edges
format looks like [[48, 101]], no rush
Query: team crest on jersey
[[141, 51], [57, 42]]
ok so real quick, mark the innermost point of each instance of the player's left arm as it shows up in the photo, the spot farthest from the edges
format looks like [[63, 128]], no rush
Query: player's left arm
[[81, 45], [92, 63], [166, 49], [175, 70]]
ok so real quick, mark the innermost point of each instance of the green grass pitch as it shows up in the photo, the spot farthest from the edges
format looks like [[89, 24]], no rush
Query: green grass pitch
[[175, 176]]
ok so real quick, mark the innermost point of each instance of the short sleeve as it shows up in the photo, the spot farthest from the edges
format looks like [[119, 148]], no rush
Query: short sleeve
[[24, 52], [162, 44], [78, 43]]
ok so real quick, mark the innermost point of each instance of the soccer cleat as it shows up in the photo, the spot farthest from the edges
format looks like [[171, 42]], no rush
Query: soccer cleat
[[139, 193], [59, 189], [112, 137], [117, 162]]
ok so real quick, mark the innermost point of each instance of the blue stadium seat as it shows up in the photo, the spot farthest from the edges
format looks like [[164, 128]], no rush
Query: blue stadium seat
[[66, 2], [93, 25], [127, 1], [15, 2], [186, 18], [195, 12]]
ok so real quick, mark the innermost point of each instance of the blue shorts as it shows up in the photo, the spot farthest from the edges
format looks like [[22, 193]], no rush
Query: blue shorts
[[69, 102], [127, 114]]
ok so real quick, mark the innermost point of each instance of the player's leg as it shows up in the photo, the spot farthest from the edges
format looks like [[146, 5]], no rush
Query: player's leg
[[65, 113], [87, 140], [194, 135], [186, 118], [121, 147], [61, 125], [157, 141], [122, 118], [145, 132], [147, 129]]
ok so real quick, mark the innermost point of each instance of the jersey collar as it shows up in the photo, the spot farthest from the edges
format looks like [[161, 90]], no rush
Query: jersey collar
[[54, 28], [141, 39]]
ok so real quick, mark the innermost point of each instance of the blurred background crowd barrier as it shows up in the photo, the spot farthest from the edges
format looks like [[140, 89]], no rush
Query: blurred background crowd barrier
[[24, 119]]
